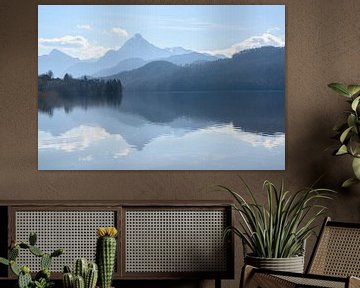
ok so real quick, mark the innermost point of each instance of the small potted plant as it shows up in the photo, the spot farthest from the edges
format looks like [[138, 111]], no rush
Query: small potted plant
[[348, 132], [275, 233]]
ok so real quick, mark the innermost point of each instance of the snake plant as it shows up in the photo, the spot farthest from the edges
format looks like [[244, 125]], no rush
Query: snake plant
[[279, 228], [348, 132]]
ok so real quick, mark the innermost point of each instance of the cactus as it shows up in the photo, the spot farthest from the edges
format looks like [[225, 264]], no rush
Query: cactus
[[91, 276], [24, 280], [80, 268], [45, 261], [79, 282], [67, 269], [57, 253], [90, 272], [106, 254], [44, 273], [42, 278], [13, 253], [24, 245], [32, 238], [68, 280], [36, 251], [14, 268]]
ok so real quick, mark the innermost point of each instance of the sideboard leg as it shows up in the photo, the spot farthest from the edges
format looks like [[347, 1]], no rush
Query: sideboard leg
[[217, 283]]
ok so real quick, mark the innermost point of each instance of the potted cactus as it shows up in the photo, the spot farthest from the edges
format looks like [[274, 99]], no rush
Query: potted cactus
[[106, 254], [85, 275], [42, 278]]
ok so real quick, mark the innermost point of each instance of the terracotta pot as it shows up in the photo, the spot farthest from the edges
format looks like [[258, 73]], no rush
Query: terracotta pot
[[291, 264]]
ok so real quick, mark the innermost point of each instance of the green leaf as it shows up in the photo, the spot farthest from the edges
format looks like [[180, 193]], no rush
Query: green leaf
[[354, 145], [4, 261], [351, 120], [14, 268], [340, 88], [355, 103], [356, 167], [342, 150], [345, 134], [353, 89], [349, 182]]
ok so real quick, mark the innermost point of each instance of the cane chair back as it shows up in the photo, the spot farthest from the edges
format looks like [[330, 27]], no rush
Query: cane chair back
[[335, 262], [337, 252]]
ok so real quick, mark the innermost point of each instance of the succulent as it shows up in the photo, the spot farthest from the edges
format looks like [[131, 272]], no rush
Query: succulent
[[106, 254], [42, 278], [42, 283], [85, 275]]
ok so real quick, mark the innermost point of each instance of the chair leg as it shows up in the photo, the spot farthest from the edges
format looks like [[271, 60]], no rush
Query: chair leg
[[217, 283], [354, 282], [250, 278], [246, 274]]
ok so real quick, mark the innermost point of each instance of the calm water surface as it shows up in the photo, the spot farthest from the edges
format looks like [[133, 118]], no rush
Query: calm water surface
[[164, 131]]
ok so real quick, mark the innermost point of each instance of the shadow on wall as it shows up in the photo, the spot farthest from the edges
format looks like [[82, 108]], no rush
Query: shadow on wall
[[333, 169]]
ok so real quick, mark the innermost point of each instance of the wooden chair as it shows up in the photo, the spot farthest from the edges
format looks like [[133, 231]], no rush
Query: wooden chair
[[335, 262]]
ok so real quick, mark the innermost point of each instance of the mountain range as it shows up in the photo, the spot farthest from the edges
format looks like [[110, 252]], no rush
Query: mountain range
[[141, 66], [57, 62], [135, 53], [253, 69]]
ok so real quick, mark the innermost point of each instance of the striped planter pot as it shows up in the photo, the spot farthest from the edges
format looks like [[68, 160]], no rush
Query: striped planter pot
[[291, 264]]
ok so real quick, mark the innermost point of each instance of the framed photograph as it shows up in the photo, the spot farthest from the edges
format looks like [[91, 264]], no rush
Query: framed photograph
[[161, 87]]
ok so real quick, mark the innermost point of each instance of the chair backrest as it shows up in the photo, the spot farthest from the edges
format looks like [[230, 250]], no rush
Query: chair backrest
[[337, 251]]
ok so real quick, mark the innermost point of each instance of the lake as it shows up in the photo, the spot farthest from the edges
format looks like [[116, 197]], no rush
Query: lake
[[217, 130]]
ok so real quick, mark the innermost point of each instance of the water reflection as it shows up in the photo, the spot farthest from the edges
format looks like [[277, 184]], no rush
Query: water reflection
[[53, 94], [256, 111], [161, 131]]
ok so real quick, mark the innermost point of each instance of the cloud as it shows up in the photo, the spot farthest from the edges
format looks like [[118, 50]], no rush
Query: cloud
[[83, 26], [120, 32], [266, 39], [79, 139], [74, 45], [87, 158], [273, 29]]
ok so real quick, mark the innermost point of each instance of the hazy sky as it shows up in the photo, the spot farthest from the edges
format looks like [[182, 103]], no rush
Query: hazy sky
[[88, 31]]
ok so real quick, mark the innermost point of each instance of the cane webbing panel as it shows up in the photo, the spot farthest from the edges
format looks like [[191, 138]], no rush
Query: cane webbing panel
[[313, 282], [175, 241], [260, 280], [75, 231], [338, 252]]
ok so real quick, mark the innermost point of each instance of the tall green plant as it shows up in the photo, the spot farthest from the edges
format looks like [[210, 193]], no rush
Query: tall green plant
[[279, 229], [348, 132]]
